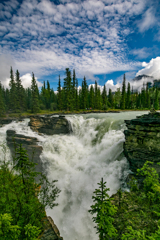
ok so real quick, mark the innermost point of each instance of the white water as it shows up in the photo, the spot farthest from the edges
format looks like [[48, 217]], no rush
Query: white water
[[79, 161]]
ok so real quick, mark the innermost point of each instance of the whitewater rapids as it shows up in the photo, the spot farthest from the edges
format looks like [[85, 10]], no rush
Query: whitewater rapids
[[78, 161]]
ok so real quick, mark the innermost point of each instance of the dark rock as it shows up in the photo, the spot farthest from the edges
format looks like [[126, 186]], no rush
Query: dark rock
[[29, 143], [50, 125], [50, 230], [142, 141]]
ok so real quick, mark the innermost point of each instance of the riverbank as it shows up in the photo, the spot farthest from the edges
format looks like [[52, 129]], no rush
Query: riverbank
[[49, 113]]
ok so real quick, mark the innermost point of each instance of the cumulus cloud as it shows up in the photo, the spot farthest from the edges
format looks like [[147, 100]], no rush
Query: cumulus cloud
[[151, 69], [26, 81]]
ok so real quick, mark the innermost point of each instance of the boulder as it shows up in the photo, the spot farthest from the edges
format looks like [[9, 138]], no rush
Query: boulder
[[50, 125], [29, 143], [142, 141]]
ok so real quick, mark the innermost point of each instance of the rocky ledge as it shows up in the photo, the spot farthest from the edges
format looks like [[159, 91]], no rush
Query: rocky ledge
[[142, 141], [50, 230], [50, 125], [29, 143]]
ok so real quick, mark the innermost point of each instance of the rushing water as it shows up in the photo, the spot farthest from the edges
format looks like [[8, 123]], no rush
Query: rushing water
[[78, 161]]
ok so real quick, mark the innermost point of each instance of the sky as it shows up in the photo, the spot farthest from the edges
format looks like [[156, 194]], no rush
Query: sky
[[100, 39]]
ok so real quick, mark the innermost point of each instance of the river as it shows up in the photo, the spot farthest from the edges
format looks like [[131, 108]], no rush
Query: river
[[78, 161]]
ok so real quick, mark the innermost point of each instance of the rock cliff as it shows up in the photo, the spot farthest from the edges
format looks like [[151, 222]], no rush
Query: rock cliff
[[29, 143], [142, 141], [50, 230], [50, 125]]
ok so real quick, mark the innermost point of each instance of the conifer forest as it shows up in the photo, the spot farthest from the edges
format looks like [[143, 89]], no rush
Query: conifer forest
[[71, 97]]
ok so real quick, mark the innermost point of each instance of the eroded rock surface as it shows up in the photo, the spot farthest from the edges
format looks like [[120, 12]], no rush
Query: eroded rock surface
[[142, 141], [50, 125], [29, 143], [51, 231]]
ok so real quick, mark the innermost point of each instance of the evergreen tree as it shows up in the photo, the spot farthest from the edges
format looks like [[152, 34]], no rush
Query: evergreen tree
[[68, 86], [148, 103], [128, 98], [34, 97], [2, 106], [99, 99], [74, 89], [91, 97], [143, 97], [96, 95], [12, 95], [104, 98], [84, 100], [59, 95], [104, 211], [77, 96], [110, 98], [117, 98], [20, 94], [123, 97], [156, 101]]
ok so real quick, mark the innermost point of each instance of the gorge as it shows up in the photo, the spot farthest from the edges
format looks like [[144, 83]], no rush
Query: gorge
[[78, 161]]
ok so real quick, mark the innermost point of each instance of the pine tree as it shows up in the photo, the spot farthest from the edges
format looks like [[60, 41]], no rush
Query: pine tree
[[117, 98], [34, 96], [104, 210], [77, 96], [123, 97], [2, 105], [74, 89], [143, 97], [110, 98], [96, 95], [84, 100], [59, 95], [20, 94], [68, 86], [128, 98], [156, 101], [104, 98], [91, 97], [148, 102], [12, 94]]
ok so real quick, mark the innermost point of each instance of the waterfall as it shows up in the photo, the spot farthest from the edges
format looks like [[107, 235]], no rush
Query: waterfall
[[78, 161]]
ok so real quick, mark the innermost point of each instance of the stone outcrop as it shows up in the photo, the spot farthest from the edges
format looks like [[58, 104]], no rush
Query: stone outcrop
[[142, 141], [29, 143], [50, 230], [50, 125]]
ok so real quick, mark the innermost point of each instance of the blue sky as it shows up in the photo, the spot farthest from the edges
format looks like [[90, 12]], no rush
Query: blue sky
[[101, 39]]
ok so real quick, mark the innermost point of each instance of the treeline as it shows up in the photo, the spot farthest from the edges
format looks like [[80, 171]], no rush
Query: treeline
[[70, 97]]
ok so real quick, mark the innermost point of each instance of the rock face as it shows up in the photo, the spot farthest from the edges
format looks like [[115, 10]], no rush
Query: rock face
[[51, 231], [50, 125], [142, 141], [29, 143]]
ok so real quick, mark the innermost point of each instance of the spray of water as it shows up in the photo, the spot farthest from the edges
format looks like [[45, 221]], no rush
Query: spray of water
[[78, 161]]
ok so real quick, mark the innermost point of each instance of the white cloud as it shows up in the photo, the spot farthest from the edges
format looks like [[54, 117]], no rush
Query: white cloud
[[148, 20], [142, 52], [26, 81], [6, 63], [151, 69]]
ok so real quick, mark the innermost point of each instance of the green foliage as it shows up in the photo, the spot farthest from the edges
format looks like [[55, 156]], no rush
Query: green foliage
[[8, 231], [104, 211], [34, 96], [23, 198]]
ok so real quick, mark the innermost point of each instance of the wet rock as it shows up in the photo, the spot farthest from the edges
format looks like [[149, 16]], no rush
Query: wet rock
[[50, 230], [142, 141], [29, 143], [50, 125]]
